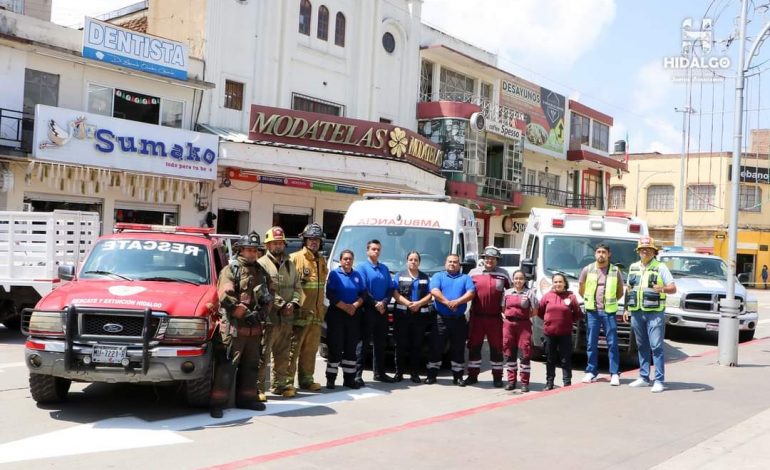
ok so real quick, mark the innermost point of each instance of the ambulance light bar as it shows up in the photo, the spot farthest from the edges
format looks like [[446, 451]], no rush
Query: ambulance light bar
[[120, 226], [557, 223], [635, 227]]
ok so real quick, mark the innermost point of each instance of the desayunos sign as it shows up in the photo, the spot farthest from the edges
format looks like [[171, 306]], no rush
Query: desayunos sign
[[69, 136], [119, 46]]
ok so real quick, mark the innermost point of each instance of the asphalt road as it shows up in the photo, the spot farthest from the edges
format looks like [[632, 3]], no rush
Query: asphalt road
[[109, 426]]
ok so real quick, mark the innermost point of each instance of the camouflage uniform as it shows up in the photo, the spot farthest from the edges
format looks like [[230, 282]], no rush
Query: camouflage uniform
[[313, 272], [278, 332], [237, 346]]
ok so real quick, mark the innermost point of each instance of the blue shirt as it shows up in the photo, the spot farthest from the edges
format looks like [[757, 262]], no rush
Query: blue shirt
[[343, 286], [453, 286], [377, 280]]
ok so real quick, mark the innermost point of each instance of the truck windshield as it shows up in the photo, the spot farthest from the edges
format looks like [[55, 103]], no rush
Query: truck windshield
[[691, 266], [433, 245], [570, 254], [148, 259]]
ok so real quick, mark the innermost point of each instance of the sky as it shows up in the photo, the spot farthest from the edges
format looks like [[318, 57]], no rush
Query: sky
[[607, 54]]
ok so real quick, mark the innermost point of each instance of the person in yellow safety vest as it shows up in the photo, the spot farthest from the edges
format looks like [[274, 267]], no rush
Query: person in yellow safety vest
[[648, 283], [601, 285], [280, 319], [313, 271]]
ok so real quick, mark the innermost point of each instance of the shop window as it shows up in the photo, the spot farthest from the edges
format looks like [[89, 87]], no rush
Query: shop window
[[172, 113], [40, 88], [136, 107], [660, 198], [138, 216], [323, 23], [618, 197], [305, 14], [292, 219], [339, 30], [455, 86], [233, 95], [580, 128], [332, 222], [426, 81], [314, 105], [700, 197], [100, 99], [601, 137], [750, 198]]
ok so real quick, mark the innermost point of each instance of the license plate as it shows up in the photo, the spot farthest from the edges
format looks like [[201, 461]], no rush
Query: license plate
[[712, 326], [108, 354]]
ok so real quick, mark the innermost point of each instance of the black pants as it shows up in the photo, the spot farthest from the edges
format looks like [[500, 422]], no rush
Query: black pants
[[374, 330], [343, 334], [456, 330], [558, 350], [409, 330]]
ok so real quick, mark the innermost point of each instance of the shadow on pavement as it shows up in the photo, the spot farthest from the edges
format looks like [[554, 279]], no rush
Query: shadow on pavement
[[695, 387]]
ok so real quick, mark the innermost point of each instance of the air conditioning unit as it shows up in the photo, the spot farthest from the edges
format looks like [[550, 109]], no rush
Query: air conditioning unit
[[477, 121]]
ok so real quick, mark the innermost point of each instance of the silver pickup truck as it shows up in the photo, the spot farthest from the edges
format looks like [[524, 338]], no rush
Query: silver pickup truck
[[701, 281]]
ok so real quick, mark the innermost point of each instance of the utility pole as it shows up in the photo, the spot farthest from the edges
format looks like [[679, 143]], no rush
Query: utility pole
[[679, 230]]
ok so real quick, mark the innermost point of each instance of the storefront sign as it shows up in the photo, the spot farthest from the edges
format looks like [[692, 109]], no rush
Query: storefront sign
[[542, 110], [106, 42], [65, 135], [504, 130], [236, 174], [335, 133], [750, 174]]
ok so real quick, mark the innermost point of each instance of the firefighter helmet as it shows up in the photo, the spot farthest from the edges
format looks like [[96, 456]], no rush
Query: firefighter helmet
[[646, 242], [274, 234], [248, 241], [492, 252], [312, 231]]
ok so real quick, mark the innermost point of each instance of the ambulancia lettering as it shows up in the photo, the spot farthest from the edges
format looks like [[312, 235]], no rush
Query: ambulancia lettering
[[402, 222]]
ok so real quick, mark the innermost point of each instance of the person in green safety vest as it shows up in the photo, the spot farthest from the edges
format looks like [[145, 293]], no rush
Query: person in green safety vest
[[648, 283], [601, 285]]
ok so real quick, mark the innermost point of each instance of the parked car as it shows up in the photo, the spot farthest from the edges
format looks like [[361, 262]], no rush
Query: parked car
[[511, 259], [701, 282]]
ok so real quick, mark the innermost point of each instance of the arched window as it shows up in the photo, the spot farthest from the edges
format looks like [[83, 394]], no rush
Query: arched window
[[305, 13], [323, 23], [339, 30]]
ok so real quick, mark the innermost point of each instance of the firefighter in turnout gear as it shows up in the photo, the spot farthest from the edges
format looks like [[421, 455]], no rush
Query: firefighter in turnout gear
[[280, 319], [491, 282], [313, 271], [648, 283], [244, 293]]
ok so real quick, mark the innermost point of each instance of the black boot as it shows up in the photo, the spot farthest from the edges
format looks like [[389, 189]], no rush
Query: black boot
[[216, 412], [510, 386], [458, 379], [470, 380], [497, 382], [415, 377], [398, 377], [350, 382], [431, 378], [549, 385], [330, 381]]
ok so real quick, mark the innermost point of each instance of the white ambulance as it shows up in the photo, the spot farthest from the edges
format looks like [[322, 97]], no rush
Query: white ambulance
[[401, 222], [563, 241]]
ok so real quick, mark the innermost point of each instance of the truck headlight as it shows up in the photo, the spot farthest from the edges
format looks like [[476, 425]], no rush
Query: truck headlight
[[673, 301], [187, 329], [46, 323], [752, 306]]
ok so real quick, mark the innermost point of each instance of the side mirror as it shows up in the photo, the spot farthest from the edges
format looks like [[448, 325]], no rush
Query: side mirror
[[528, 267], [66, 272]]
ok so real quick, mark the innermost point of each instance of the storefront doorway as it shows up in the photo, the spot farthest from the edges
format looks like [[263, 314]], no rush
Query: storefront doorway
[[292, 219], [51, 202], [233, 216], [156, 214]]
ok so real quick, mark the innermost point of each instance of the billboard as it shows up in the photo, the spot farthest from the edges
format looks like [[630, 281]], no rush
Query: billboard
[[542, 110]]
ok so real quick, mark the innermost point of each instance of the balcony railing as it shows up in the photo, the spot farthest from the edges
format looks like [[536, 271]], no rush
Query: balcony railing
[[560, 198], [492, 111], [16, 130], [495, 188]]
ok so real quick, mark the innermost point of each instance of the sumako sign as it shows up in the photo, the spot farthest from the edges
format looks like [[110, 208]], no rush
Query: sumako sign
[[106, 42], [69, 136]]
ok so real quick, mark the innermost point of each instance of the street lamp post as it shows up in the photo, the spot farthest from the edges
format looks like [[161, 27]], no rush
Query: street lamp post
[[679, 230]]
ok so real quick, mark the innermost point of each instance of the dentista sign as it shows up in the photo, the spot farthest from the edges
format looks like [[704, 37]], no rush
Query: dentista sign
[[334, 133]]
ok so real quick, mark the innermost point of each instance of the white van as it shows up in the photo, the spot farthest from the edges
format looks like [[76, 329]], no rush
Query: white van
[[564, 241], [426, 223]]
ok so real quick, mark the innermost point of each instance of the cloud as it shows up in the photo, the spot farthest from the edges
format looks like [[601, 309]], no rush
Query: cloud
[[73, 13], [653, 86], [545, 35]]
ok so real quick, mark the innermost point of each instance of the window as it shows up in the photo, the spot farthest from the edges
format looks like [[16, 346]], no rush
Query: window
[[171, 113], [127, 104], [305, 14], [40, 88], [514, 162], [618, 197], [750, 198], [426, 81], [314, 105], [388, 43], [700, 197], [601, 137], [386, 120], [233, 95], [486, 92], [455, 86], [323, 23], [660, 198], [579, 129], [339, 30]]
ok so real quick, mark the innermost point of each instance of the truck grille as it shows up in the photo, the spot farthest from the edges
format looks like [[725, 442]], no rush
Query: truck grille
[[119, 325], [705, 302]]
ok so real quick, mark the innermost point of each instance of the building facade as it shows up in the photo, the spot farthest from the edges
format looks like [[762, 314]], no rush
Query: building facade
[[79, 132]]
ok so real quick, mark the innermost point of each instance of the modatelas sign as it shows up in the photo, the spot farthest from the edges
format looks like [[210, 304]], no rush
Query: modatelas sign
[[125, 48]]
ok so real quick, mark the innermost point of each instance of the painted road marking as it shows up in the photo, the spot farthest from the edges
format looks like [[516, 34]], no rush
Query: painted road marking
[[131, 432], [10, 365]]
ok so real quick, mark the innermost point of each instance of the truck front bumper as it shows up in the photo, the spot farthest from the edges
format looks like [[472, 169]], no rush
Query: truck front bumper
[[707, 321], [164, 364]]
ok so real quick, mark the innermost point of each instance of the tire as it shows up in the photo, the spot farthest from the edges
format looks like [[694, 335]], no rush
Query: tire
[[197, 392], [744, 336], [13, 324], [48, 389]]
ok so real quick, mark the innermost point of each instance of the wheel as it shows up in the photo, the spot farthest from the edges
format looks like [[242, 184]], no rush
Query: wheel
[[744, 336], [198, 391], [48, 389], [13, 324]]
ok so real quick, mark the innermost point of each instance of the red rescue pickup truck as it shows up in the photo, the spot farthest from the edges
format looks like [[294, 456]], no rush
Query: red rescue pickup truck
[[142, 308]]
